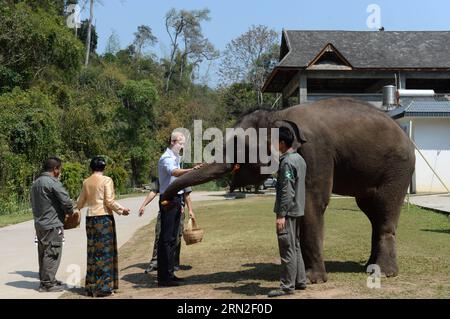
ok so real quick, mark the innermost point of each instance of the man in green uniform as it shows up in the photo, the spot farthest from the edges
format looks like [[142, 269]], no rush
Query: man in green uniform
[[50, 203], [289, 207]]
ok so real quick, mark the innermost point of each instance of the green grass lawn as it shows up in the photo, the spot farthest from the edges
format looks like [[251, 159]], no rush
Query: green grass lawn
[[15, 218], [238, 257], [19, 217]]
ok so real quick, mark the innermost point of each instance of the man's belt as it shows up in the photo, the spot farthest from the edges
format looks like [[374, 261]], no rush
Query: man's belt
[[169, 204]]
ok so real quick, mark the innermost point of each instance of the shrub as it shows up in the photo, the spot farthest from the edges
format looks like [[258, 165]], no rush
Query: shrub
[[119, 176], [72, 177]]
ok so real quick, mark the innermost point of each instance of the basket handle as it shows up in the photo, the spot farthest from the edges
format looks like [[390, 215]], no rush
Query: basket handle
[[191, 224], [194, 223]]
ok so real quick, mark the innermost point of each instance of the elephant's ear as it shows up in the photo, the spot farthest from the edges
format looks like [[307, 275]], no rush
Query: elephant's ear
[[299, 137]]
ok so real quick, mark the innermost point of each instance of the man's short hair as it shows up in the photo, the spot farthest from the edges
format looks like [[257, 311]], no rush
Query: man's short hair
[[51, 163], [98, 164], [286, 136], [175, 136]]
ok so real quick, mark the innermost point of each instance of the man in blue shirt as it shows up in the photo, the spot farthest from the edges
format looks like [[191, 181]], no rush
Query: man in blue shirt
[[168, 170]]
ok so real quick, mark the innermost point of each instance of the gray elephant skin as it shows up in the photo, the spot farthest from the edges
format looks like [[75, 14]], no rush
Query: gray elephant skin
[[351, 149]]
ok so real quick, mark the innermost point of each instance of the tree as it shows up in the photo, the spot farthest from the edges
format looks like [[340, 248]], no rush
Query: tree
[[196, 46], [113, 44], [138, 120], [55, 6], [142, 38], [32, 42], [88, 38], [184, 29], [249, 58], [29, 133], [239, 98], [83, 35]]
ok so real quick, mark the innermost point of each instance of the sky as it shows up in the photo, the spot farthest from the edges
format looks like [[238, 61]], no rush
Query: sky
[[231, 18]]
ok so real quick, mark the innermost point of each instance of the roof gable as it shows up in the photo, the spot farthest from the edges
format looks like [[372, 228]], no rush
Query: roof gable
[[329, 58]]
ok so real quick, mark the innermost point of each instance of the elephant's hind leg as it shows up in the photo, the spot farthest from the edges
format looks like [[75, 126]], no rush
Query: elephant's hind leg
[[383, 210]]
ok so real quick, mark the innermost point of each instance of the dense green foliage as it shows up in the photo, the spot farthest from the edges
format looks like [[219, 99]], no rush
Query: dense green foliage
[[123, 105]]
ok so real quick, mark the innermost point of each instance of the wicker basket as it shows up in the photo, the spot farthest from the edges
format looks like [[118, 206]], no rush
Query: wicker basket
[[72, 220], [192, 234]]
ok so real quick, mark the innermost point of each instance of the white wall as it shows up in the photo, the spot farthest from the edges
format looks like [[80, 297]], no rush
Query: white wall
[[432, 136]]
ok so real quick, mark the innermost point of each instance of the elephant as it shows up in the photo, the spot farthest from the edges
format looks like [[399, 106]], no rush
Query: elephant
[[351, 148]]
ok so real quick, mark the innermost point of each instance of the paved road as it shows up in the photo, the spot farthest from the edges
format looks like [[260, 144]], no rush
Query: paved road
[[436, 202], [18, 253]]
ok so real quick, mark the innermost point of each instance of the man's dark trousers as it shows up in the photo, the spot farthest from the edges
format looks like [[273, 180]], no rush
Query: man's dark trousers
[[154, 259], [292, 266], [170, 223], [49, 253]]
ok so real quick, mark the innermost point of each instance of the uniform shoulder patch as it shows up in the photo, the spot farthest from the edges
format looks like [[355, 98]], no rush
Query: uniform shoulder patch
[[288, 174]]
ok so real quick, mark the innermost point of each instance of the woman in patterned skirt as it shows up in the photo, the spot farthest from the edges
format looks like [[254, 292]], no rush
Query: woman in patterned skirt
[[102, 274]]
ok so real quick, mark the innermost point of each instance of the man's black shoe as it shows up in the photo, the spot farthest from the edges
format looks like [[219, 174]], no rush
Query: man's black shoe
[[167, 284], [150, 268], [54, 288], [300, 287], [279, 292]]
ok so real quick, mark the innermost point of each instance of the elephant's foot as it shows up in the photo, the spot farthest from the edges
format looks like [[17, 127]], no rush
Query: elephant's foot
[[388, 267], [316, 276], [386, 260]]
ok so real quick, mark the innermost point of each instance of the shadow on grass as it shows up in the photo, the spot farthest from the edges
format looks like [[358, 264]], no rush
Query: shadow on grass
[[442, 231], [80, 291], [344, 267], [259, 272], [145, 265], [141, 265], [249, 289], [141, 280], [346, 209]]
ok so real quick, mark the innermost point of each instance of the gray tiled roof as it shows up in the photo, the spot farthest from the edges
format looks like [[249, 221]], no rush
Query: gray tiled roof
[[422, 109], [371, 49]]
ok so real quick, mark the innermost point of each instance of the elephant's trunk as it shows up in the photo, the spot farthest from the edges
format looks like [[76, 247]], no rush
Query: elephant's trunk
[[205, 174]]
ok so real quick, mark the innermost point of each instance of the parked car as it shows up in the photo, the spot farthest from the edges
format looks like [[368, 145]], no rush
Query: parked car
[[270, 183]]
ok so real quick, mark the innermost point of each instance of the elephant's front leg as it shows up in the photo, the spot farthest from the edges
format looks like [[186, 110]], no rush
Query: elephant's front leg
[[311, 239]]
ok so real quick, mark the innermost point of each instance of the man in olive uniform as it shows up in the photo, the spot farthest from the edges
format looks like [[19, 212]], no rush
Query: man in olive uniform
[[50, 203], [289, 207]]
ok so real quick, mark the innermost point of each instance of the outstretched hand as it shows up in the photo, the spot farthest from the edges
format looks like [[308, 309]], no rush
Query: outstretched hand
[[126, 212], [141, 211], [198, 166]]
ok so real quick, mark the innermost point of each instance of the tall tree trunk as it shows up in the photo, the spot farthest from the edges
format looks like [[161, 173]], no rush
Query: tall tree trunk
[[174, 51], [88, 38], [172, 58]]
